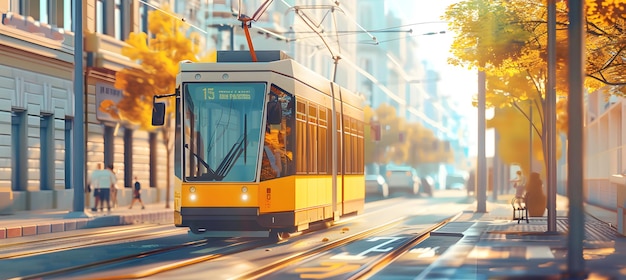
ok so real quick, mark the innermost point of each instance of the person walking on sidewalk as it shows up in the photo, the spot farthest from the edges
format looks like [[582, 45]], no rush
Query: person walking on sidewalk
[[137, 195], [113, 196], [101, 181], [93, 185]]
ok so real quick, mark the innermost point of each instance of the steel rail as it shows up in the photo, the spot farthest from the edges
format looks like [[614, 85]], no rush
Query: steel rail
[[277, 265], [374, 267], [83, 245], [109, 261]]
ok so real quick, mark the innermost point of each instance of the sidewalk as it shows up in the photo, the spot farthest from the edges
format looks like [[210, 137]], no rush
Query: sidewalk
[[28, 223], [492, 245], [495, 247]]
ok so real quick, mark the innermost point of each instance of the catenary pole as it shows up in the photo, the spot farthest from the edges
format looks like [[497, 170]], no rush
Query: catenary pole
[[481, 170], [79, 137], [575, 147], [550, 118]]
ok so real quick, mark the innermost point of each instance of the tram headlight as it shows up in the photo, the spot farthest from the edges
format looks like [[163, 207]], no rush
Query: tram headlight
[[244, 193], [192, 191]]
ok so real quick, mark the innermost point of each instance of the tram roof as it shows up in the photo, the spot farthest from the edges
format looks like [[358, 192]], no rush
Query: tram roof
[[244, 56], [266, 60]]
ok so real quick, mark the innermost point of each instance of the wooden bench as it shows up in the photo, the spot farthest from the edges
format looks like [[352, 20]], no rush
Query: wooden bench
[[519, 213]]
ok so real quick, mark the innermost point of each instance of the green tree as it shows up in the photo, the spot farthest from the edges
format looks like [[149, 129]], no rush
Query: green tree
[[158, 57]]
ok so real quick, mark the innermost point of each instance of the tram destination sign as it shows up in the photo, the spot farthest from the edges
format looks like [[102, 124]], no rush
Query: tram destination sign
[[224, 93]]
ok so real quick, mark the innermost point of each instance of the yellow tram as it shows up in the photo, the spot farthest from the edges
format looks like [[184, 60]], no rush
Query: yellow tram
[[255, 152]]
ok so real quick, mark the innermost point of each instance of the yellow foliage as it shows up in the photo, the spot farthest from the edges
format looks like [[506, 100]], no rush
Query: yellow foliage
[[514, 131], [605, 12], [158, 57], [418, 146], [515, 61]]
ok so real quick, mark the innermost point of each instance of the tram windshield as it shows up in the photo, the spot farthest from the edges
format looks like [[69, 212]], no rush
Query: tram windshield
[[222, 130]]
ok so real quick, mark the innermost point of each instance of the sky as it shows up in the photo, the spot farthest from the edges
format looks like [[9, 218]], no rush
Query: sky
[[459, 83]]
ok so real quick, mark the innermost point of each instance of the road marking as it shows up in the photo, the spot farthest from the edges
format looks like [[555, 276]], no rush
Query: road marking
[[327, 270], [530, 252], [539, 252], [376, 249], [488, 253], [428, 252]]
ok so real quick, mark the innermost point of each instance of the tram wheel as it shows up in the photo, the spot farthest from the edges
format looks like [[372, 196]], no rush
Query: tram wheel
[[197, 230], [277, 235]]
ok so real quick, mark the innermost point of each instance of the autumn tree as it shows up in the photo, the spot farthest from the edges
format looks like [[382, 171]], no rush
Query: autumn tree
[[158, 57], [401, 142], [507, 39]]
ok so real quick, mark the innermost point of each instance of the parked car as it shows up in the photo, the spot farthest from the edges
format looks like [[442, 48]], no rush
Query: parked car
[[374, 182], [456, 181], [402, 178]]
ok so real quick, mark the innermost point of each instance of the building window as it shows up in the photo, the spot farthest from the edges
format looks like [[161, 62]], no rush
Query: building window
[[128, 157], [143, 18], [101, 17], [68, 153], [18, 151], [67, 15], [59, 12], [31, 8], [54, 12], [46, 150], [109, 145], [153, 159], [119, 20]]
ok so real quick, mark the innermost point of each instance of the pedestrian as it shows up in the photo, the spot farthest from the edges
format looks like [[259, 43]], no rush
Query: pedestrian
[[93, 185], [137, 195], [101, 181], [113, 196], [471, 183], [519, 183]]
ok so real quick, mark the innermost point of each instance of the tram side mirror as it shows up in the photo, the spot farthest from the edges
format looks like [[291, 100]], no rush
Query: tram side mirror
[[274, 112], [158, 113]]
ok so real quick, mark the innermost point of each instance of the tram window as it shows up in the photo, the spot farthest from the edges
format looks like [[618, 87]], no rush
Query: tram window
[[340, 167], [301, 150], [354, 146], [279, 143], [360, 148], [348, 145], [322, 142], [274, 111], [312, 136]]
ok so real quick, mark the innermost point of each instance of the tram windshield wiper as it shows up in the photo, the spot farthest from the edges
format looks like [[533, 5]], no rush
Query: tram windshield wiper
[[210, 171], [233, 155]]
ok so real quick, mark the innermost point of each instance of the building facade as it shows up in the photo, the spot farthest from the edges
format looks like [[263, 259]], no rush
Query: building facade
[[36, 85]]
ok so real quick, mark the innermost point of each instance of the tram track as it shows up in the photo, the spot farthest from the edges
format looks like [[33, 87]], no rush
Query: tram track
[[303, 254], [125, 234], [364, 271], [67, 273], [171, 260], [265, 270], [230, 250], [43, 240], [370, 269]]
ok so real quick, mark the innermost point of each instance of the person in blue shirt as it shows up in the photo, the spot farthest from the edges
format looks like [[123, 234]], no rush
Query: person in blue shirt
[[137, 195]]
